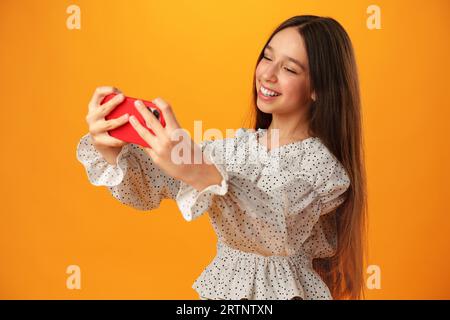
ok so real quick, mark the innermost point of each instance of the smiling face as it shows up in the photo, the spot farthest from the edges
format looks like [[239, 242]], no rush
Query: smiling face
[[278, 71]]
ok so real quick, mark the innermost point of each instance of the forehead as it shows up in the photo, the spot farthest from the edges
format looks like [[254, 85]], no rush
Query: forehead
[[289, 43]]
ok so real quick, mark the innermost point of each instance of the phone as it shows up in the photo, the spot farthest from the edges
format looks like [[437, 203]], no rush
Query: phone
[[127, 132]]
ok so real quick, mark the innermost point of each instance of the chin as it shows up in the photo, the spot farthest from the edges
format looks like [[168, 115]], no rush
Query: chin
[[264, 108], [267, 107]]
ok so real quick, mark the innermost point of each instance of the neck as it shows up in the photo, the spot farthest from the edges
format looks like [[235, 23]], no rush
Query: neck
[[290, 126]]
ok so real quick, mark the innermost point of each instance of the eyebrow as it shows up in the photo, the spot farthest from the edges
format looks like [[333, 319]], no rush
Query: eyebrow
[[289, 58]]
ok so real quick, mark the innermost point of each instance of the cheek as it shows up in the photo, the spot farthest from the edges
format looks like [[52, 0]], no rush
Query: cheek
[[292, 89], [258, 72], [295, 94]]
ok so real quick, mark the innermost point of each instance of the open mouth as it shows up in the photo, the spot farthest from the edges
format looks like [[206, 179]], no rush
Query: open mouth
[[268, 93]]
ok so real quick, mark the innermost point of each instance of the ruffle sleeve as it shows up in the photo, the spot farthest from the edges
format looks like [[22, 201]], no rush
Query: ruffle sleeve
[[134, 180], [193, 203], [330, 188], [331, 185], [320, 185]]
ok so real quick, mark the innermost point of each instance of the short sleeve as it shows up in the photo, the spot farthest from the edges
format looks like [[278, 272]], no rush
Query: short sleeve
[[134, 180], [331, 184], [193, 203]]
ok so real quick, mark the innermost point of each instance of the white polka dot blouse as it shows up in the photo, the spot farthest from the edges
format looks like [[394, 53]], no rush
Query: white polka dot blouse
[[269, 211]]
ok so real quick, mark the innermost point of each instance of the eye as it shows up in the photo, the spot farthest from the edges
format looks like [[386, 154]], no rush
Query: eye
[[291, 71]]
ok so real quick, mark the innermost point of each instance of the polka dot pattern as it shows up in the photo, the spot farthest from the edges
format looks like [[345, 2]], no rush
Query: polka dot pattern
[[134, 180], [270, 211]]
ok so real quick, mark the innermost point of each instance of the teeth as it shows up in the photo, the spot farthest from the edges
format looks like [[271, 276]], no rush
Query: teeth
[[268, 92]]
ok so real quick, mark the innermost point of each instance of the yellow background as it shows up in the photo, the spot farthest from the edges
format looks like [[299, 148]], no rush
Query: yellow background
[[200, 57]]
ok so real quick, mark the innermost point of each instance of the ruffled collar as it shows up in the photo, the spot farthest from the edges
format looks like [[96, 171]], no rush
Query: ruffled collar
[[300, 145]]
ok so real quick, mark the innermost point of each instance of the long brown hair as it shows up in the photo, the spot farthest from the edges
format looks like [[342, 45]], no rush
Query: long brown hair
[[335, 117]]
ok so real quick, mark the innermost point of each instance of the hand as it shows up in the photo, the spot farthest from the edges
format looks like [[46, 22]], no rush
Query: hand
[[98, 126], [165, 147]]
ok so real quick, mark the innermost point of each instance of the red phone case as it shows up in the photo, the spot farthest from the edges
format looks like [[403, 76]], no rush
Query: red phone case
[[126, 132]]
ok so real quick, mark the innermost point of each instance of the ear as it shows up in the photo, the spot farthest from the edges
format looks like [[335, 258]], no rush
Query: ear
[[313, 96]]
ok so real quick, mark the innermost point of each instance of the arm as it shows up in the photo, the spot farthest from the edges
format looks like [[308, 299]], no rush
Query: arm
[[133, 179], [198, 182], [108, 153], [203, 176]]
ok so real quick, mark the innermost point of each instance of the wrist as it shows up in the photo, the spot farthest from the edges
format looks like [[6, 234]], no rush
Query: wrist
[[203, 176], [108, 153]]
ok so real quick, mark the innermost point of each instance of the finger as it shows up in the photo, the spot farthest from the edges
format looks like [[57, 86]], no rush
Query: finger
[[150, 120], [106, 125], [107, 107], [143, 132], [100, 93], [153, 155], [167, 112]]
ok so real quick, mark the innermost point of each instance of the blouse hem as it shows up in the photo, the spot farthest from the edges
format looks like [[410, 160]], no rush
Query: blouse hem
[[235, 275]]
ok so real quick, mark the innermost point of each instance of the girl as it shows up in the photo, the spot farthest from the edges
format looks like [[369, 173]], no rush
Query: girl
[[289, 226]]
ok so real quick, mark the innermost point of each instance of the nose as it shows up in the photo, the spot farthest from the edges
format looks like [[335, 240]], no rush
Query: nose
[[269, 74]]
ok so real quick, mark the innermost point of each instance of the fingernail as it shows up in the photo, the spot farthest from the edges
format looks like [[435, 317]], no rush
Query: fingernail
[[125, 116], [137, 103]]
